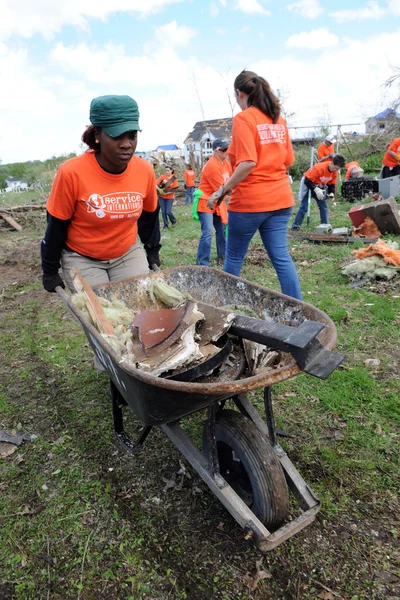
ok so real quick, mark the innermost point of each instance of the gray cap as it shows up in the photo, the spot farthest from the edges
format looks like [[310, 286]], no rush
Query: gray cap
[[220, 145]]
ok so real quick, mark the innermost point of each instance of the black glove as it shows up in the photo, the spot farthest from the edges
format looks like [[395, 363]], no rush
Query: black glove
[[50, 282], [153, 258]]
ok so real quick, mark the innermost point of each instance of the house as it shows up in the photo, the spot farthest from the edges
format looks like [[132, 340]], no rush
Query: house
[[167, 151], [387, 121], [15, 184], [198, 143]]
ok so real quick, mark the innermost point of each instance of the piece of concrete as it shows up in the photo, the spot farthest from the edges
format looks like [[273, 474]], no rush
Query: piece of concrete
[[357, 215], [324, 228], [385, 214], [340, 231]]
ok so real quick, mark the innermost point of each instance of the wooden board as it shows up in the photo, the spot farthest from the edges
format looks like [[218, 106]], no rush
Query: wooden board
[[92, 302], [11, 221]]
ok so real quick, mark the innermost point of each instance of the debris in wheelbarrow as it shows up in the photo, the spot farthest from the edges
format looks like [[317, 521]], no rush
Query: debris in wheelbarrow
[[242, 461]]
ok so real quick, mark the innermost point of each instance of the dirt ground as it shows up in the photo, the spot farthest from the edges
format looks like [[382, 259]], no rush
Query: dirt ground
[[342, 556]]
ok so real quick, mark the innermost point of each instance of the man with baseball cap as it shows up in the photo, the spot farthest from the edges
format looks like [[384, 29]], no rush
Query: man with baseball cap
[[216, 171], [326, 149]]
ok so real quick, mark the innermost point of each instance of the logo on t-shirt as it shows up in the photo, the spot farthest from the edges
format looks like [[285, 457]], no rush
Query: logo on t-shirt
[[325, 179], [271, 133], [116, 205]]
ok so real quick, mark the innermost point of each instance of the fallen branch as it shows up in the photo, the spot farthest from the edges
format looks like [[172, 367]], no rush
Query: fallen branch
[[21, 208]]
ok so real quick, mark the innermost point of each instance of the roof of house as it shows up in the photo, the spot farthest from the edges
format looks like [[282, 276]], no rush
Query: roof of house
[[15, 180], [387, 113], [218, 128], [168, 147]]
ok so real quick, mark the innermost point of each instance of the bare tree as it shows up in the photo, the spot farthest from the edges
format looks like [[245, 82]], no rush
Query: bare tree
[[224, 77]]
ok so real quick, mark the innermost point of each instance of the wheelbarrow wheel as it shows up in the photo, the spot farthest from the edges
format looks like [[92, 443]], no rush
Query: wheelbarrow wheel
[[250, 466]]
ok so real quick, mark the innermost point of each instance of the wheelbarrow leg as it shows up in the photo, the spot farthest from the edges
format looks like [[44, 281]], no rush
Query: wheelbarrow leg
[[212, 442], [117, 401]]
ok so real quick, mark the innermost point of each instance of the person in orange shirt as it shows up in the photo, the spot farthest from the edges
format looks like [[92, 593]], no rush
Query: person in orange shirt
[[215, 172], [189, 176], [353, 170], [320, 180], [102, 202], [166, 183], [262, 200], [391, 160], [326, 150]]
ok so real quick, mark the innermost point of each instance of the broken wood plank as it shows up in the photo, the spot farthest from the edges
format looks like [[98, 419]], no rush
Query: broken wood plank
[[11, 221], [92, 302], [22, 208]]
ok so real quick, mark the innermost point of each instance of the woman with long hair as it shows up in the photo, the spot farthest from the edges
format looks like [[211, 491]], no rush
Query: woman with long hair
[[261, 198]]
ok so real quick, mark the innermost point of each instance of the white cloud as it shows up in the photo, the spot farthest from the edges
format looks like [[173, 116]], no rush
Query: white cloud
[[315, 39], [394, 8], [346, 90], [372, 11], [221, 31], [222, 2], [245, 29], [309, 9], [29, 17], [163, 81], [174, 35], [214, 9], [251, 7]]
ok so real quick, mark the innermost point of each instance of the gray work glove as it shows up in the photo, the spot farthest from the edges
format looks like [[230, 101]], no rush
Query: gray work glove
[[320, 194]]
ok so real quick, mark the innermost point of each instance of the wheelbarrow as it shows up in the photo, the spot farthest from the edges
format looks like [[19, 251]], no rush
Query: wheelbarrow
[[241, 459]]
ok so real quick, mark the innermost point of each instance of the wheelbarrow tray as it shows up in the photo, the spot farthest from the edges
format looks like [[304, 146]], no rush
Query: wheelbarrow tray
[[157, 400]]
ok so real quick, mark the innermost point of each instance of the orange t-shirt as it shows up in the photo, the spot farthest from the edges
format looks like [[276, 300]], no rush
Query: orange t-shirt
[[390, 161], [103, 207], [213, 175], [256, 138], [170, 195], [324, 150], [189, 176], [350, 166], [320, 174]]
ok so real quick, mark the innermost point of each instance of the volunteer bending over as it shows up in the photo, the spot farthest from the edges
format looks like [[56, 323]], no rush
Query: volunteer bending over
[[96, 200], [262, 199], [320, 180]]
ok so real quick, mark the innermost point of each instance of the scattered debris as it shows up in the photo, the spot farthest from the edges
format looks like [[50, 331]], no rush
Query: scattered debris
[[9, 442], [388, 250], [252, 581], [367, 229], [384, 213], [379, 261], [11, 221]]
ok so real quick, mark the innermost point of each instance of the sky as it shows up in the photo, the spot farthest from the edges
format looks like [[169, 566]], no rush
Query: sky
[[179, 58]]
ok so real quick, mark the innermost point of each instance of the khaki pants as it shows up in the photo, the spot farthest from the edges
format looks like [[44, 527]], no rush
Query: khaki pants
[[96, 272]]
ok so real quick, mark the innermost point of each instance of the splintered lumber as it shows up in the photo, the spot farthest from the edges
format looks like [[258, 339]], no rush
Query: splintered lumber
[[11, 221], [92, 302], [21, 208]]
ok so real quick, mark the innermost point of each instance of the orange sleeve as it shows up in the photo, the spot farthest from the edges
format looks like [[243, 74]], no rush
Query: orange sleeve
[[245, 143], [290, 158], [160, 179], [394, 145], [150, 201], [62, 199], [213, 176]]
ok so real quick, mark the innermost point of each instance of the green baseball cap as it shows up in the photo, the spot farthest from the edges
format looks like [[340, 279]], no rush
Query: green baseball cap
[[115, 114]]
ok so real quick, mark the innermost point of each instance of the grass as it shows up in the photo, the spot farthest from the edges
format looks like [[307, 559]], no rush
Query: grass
[[82, 520]]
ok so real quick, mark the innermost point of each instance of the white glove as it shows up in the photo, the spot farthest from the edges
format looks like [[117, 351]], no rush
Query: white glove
[[331, 195], [319, 193]]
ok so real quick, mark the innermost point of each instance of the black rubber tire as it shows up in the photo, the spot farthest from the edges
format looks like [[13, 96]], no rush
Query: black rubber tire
[[251, 467]]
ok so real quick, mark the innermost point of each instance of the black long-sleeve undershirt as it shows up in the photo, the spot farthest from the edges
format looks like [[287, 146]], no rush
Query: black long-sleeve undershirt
[[54, 240]]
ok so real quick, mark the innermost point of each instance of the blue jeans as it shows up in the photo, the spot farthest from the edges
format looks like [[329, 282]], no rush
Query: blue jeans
[[207, 221], [166, 211], [189, 195], [322, 205], [272, 226]]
